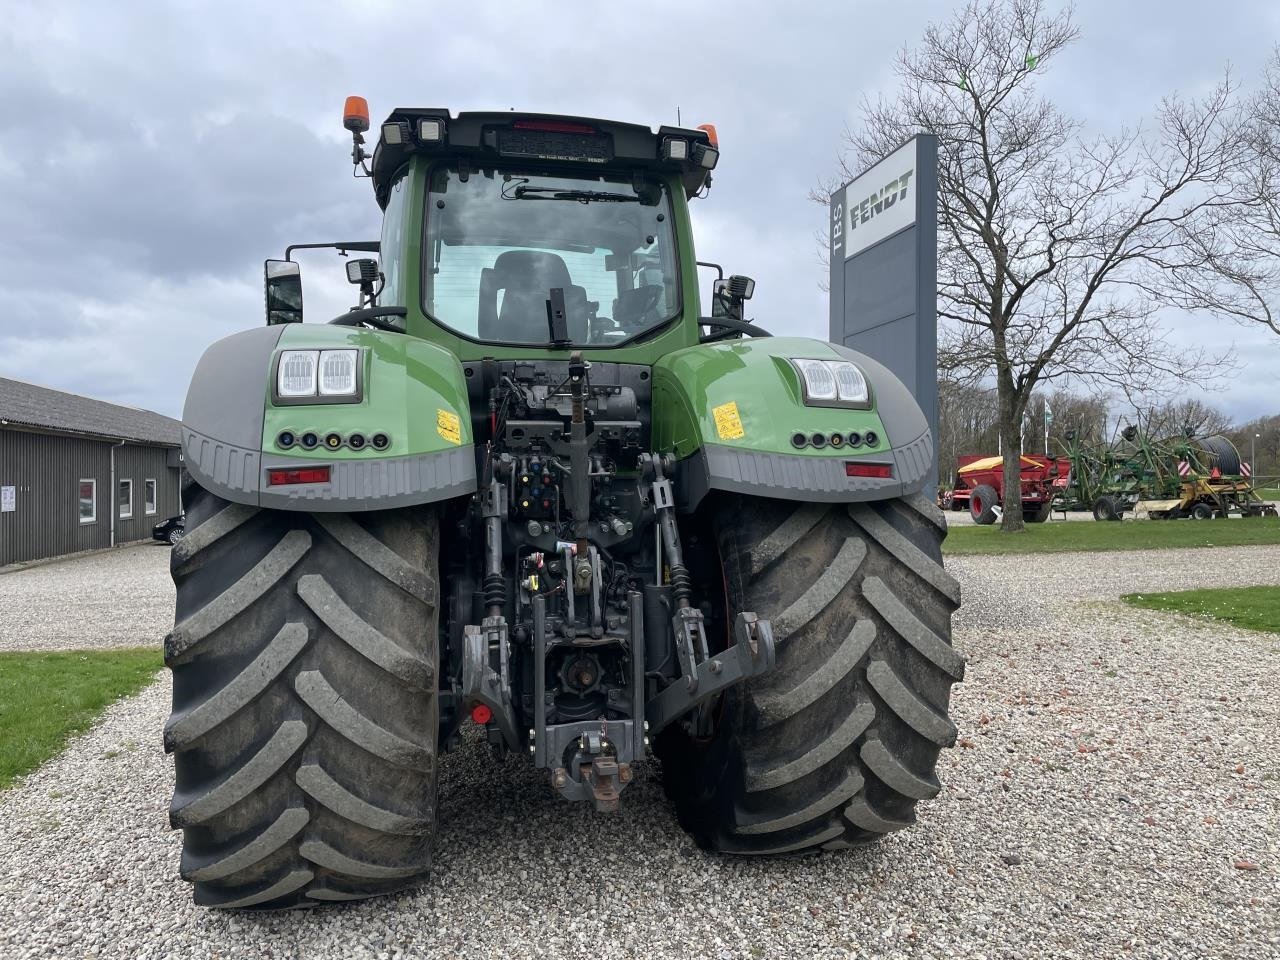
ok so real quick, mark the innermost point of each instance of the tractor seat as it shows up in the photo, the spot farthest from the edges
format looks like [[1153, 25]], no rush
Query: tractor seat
[[526, 278]]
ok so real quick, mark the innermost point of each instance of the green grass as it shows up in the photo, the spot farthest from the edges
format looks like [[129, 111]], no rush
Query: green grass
[[1271, 493], [1059, 537], [1255, 608], [45, 698]]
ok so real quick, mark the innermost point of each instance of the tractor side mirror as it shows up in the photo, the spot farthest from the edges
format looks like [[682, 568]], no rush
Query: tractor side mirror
[[730, 294], [283, 282]]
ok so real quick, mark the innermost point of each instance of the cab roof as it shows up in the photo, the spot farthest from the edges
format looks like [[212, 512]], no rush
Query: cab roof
[[486, 138]]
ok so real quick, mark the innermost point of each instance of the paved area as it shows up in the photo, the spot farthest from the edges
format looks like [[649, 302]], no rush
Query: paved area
[[1115, 792], [113, 598]]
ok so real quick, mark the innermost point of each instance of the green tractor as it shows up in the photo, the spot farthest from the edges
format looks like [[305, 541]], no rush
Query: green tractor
[[526, 492]]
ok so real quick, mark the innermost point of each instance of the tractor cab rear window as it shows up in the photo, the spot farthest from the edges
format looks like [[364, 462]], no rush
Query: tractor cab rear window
[[498, 241]]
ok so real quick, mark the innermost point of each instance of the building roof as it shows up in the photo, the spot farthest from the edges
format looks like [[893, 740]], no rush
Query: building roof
[[27, 405]]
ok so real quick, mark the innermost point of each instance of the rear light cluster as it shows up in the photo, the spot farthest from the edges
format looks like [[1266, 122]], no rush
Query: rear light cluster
[[288, 440], [836, 440]]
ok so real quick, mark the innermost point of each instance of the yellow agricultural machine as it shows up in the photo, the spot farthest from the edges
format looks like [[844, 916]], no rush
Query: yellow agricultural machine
[[1181, 476]]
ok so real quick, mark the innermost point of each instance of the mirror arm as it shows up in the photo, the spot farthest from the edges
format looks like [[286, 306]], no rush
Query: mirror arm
[[372, 316], [731, 325], [359, 246], [718, 269]]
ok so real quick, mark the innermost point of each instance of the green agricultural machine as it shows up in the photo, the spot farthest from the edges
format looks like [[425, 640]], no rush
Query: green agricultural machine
[[525, 491], [1168, 479]]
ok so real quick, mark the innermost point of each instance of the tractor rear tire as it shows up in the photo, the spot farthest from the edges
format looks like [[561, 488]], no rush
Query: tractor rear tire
[[305, 711], [982, 504], [1106, 508], [837, 743]]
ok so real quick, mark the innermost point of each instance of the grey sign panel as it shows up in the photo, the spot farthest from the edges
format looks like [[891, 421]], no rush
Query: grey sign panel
[[884, 268]]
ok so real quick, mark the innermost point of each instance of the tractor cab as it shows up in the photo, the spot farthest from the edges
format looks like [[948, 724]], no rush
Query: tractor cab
[[531, 231]]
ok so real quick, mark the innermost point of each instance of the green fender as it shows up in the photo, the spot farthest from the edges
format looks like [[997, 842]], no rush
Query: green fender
[[412, 391], [733, 414]]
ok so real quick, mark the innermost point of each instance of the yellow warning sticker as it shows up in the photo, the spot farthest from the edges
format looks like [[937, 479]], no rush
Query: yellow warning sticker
[[728, 423], [449, 426]]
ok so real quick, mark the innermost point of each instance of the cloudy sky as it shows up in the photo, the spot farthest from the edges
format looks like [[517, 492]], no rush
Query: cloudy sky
[[153, 154]]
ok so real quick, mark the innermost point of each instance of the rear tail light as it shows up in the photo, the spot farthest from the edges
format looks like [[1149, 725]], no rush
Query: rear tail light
[[292, 475], [878, 471]]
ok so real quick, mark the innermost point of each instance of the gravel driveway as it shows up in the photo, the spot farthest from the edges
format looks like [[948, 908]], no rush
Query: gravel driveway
[[1116, 778], [112, 598]]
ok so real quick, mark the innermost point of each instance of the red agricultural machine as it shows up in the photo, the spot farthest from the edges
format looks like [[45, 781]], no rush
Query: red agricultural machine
[[979, 486]]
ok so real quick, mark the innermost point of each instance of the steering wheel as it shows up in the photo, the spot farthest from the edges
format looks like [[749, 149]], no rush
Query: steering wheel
[[648, 300], [371, 317]]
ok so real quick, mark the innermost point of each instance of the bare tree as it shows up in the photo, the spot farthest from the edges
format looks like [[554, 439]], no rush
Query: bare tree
[[1187, 417], [966, 424], [1056, 248], [1082, 415], [1259, 442], [1241, 241]]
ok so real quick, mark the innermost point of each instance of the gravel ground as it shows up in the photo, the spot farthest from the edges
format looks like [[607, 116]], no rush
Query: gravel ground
[[1114, 768], [112, 598]]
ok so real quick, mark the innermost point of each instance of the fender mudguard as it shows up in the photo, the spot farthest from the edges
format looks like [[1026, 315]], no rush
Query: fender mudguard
[[733, 414], [411, 391]]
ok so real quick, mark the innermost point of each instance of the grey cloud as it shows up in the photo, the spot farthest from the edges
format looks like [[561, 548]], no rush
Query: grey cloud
[[160, 153]]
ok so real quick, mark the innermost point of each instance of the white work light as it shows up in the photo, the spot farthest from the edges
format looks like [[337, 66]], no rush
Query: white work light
[[674, 148], [850, 383], [430, 131], [296, 374], [819, 379], [338, 373], [832, 382], [394, 134]]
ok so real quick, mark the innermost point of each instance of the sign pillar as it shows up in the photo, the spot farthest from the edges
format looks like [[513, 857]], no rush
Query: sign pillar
[[884, 269]]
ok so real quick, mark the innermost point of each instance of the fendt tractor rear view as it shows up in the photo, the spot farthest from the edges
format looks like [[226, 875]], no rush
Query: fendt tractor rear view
[[526, 482]]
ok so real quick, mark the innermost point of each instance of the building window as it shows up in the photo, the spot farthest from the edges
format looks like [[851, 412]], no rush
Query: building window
[[126, 499], [149, 490], [88, 501]]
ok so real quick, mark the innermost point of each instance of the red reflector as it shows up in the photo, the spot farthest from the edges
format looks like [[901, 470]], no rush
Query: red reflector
[[277, 478], [553, 126], [881, 471], [481, 714]]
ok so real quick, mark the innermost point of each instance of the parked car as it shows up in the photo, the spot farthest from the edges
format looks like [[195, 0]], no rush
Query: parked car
[[171, 530]]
